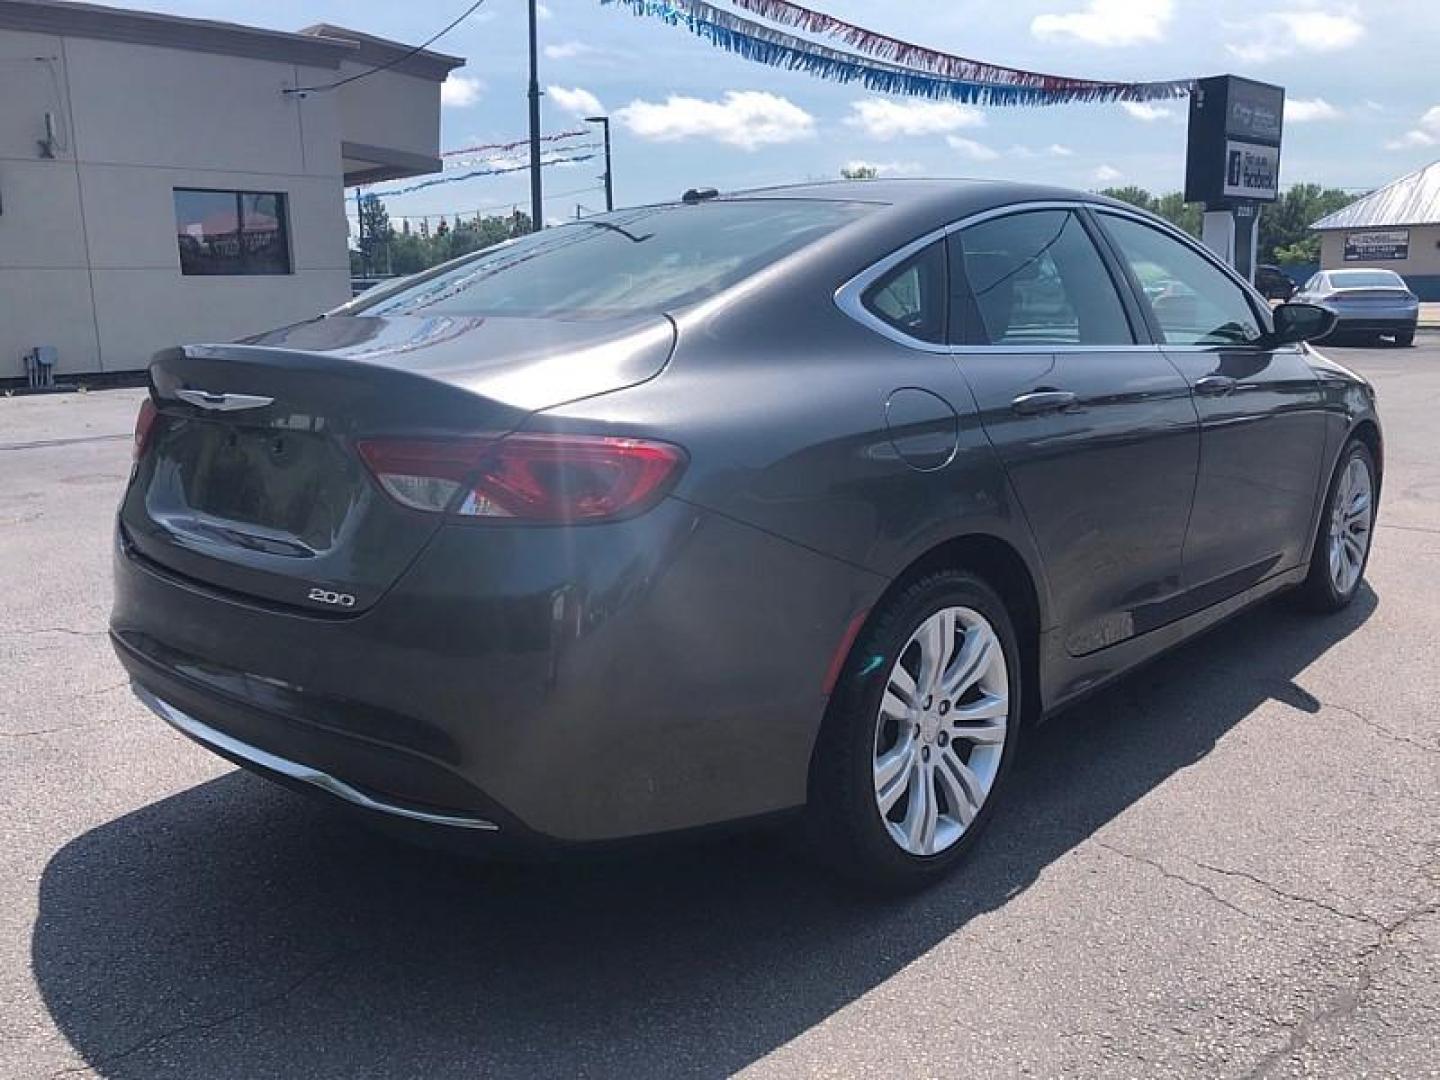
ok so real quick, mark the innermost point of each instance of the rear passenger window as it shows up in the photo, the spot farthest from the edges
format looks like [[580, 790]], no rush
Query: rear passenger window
[[1037, 279], [911, 297], [1194, 302]]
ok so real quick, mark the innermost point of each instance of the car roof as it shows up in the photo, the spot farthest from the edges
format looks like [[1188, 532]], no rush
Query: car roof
[[919, 200], [1363, 270]]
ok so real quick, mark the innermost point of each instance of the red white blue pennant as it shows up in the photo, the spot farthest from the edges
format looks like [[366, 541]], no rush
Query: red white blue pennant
[[892, 66]]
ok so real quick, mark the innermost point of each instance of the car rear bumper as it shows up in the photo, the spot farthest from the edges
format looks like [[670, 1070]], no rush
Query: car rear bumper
[[283, 769], [570, 685], [1361, 324]]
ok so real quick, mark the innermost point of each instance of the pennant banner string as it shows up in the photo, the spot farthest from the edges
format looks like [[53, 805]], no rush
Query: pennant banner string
[[762, 44], [491, 171], [511, 158], [907, 54], [500, 146]]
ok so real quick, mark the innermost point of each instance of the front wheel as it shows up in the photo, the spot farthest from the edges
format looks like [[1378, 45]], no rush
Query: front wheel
[[1406, 339], [920, 733], [1347, 522]]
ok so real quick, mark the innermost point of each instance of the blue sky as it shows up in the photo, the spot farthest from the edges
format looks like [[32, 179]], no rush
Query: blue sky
[[1364, 100]]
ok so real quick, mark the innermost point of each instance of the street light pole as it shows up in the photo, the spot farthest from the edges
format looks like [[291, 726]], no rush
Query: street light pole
[[604, 121], [537, 201]]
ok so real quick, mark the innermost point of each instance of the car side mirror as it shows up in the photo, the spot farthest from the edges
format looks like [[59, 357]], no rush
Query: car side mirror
[[1296, 322]]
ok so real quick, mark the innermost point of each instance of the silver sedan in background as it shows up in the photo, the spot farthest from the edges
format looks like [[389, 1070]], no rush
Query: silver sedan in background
[[1367, 303]]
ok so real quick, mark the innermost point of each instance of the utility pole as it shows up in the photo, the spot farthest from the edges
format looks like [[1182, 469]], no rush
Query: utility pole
[[360, 234], [537, 199], [609, 173]]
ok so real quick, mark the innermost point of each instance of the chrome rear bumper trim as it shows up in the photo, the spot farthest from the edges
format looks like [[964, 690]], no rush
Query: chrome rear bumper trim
[[218, 740]]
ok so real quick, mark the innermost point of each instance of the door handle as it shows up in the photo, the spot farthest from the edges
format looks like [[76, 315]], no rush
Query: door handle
[[1043, 401], [1214, 385]]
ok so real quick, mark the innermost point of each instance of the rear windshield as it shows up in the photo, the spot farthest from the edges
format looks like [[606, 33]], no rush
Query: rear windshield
[[630, 262], [1366, 279]]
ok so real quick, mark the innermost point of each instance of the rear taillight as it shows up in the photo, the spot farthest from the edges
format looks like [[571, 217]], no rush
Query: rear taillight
[[144, 426], [526, 478]]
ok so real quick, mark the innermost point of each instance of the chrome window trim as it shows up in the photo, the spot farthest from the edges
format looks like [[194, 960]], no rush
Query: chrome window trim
[[848, 297]]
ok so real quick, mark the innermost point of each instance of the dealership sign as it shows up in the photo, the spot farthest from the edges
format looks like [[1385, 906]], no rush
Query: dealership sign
[[1233, 156], [1380, 245]]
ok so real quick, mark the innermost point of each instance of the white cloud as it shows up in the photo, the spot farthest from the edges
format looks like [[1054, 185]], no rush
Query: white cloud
[[576, 101], [1306, 110], [1060, 151], [745, 118], [543, 11], [1108, 22], [568, 50], [886, 168], [1278, 34], [1106, 174], [1411, 140], [883, 119], [459, 91], [972, 149], [1426, 134], [1141, 110]]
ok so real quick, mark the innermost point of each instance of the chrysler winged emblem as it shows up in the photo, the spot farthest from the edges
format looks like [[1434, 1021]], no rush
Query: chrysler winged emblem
[[205, 399]]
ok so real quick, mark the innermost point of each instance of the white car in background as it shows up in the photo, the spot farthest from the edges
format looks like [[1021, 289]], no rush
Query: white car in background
[[1367, 303]]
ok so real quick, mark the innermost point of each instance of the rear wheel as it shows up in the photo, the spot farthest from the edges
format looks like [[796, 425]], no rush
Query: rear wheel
[[920, 733], [1347, 522], [1405, 339]]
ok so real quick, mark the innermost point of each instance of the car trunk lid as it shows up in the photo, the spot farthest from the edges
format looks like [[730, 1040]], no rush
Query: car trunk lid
[[1372, 295], [251, 481]]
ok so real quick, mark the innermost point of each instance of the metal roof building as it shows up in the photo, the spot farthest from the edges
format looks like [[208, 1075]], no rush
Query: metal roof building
[[1411, 200], [1396, 227]]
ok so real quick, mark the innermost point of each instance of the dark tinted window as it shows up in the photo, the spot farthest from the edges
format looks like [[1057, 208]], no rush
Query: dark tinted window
[[911, 297], [1037, 279], [647, 260], [1366, 279], [1194, 302], [232, 232]]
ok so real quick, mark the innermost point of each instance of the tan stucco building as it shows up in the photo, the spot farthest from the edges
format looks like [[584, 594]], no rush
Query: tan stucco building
[[162, 180]]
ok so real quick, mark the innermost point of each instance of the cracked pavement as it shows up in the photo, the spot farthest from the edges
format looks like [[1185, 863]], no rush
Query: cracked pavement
[[1226, 866]]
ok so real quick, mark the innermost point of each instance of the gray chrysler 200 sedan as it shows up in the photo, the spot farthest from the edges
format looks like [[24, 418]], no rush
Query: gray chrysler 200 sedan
[[808, 498]]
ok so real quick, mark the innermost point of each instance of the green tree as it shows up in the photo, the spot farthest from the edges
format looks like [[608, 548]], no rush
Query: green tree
[[1285, 224], [376, 233], [386, 251], [859, 171], [1135, 196], [1174, 209], [1172, 206]]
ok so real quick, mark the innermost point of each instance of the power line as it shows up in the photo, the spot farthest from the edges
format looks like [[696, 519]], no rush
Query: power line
[[391, 63]]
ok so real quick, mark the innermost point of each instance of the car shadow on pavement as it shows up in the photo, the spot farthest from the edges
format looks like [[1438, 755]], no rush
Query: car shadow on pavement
[[235, 930]]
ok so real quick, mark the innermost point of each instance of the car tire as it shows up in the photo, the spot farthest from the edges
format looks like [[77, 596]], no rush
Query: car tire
[[1406, 339], [844, 817], [1325, 589]]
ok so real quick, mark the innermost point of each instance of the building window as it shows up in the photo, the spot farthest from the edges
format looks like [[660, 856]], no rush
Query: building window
[[232, 232]]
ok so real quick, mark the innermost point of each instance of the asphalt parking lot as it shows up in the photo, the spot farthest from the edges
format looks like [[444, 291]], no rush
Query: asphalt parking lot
[[1229, 865]]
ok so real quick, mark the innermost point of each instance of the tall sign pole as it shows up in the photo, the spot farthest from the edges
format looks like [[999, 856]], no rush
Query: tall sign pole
[[537, 200], [1233, 162]]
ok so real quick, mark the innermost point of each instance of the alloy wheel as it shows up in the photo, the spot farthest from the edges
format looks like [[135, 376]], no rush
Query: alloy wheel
[[1350, 525], [941, 730]]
